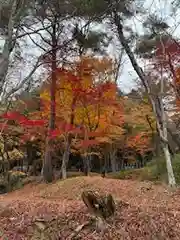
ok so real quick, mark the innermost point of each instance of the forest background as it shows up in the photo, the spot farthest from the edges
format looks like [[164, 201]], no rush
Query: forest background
[[62, 101]]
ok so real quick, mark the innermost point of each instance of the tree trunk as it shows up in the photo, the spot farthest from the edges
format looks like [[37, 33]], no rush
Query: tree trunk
[[66, 154], [65, 161], [64, 165], [112, 156], [145, 81], [165, 144], [47, 167], [171, 178], [113, 165], [122, 164], [86, 165], [10, 40]]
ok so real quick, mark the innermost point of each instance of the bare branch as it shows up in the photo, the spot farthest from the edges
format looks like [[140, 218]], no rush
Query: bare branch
[[119, 65], [33, 31], [26, 79], [16, 11], [42, 48]]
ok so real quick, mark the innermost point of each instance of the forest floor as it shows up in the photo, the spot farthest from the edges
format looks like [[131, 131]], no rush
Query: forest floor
[[152, 213]]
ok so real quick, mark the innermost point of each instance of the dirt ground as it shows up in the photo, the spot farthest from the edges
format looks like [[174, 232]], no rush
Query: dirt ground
[[53, 211]]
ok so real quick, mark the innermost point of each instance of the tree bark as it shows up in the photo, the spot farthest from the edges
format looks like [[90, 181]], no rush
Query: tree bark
[[66, 154], [65, 160], [86, 165], [162, 128], [112, 156], [47, 166], [171, 178], [10, 40], [63, 166], [113, 164]]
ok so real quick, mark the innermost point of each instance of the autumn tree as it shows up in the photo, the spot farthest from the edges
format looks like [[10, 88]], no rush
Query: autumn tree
[[117, 13], [83, 97], [53, 48], [54, 16], [158, 108], [140, 126]]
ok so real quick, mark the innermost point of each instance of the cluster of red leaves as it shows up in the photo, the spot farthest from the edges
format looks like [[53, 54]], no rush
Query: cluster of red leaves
[[91, 95], [168, 58], [22, 120], [31, 127], [62, 72], [139, 142], [31, 131], [64, 128], [169, 48], [101, 94]]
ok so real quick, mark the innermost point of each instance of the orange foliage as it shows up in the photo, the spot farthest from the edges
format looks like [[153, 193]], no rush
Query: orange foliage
[[81, 100], [139, 142], [86, 107]]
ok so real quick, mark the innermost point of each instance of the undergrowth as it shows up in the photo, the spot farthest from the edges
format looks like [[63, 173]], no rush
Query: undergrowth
[[154, 171]]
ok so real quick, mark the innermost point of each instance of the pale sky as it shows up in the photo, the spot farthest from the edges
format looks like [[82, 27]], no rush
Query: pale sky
[[162, 8]]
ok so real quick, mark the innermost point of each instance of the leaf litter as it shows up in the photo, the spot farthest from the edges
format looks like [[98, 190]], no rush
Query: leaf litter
[[54, 211]]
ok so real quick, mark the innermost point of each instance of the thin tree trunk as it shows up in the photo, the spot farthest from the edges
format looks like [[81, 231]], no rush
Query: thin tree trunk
[[47, 164], [171, 178], [65, 160], [112, 156], [86, 165], [64, 166], [66, 154], [122, 164], [161, 129], [113, 164]]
